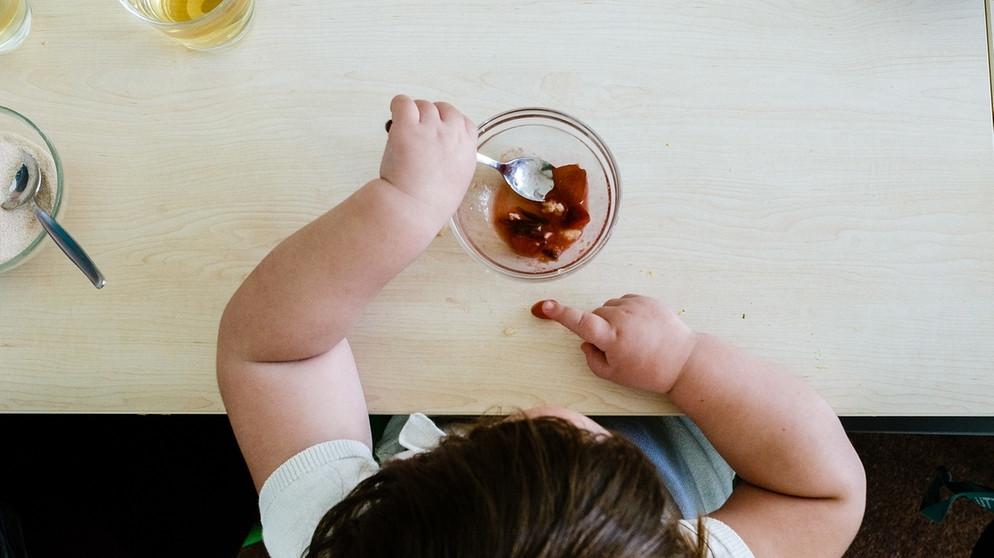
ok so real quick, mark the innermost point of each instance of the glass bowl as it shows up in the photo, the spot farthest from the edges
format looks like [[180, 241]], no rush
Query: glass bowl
[[12, 121], [561, 140]]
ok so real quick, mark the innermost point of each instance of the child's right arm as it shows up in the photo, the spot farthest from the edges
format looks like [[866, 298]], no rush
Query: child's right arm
[[284, 368], [804, 488]]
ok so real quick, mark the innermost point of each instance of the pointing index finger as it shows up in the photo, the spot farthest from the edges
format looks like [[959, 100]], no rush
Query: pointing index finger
[[590, 327]]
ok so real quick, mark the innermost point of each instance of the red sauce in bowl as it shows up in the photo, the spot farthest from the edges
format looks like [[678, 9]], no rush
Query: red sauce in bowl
[[544, 230]]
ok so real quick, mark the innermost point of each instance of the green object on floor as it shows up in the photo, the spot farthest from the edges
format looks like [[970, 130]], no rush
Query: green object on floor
[[254, 536], [935, 507]]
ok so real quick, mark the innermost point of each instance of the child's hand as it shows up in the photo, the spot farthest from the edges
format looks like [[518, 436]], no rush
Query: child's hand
[[430, 154], [632, 340]]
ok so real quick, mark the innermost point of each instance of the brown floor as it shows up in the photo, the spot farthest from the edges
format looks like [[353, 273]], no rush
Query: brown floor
[[898, 470]]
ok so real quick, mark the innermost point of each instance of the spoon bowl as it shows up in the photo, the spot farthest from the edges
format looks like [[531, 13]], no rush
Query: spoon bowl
[[529, 177], [23, 187]]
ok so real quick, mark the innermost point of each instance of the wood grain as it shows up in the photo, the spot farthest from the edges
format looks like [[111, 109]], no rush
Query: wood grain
[[813, 182]]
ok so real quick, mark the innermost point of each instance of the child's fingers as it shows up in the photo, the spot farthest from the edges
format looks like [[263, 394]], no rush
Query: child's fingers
[[596, 360], [470, 127], [403, 109], [448, 113], [590, 327], [609, 313], [428, 110], [625, 299]]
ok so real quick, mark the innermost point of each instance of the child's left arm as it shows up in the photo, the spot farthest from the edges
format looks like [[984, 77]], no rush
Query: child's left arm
[[285, 371]]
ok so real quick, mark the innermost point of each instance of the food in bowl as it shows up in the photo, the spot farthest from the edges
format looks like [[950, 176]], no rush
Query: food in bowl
[[544, 230], [18, 226], [563, 141]]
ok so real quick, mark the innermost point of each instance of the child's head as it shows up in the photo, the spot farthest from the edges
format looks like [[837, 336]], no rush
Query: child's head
[[532, 487]]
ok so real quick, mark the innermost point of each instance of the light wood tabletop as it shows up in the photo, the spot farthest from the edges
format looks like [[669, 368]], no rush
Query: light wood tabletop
[[814, 182]]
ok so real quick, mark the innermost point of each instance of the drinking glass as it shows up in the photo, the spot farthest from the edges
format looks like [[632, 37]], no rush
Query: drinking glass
[[15, 23], [196, 24]]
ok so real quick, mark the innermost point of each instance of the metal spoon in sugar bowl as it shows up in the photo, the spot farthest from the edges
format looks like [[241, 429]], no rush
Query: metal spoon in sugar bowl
[[23, 188]]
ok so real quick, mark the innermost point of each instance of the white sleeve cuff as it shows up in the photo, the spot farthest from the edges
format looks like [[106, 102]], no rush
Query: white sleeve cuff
[[306, 461]]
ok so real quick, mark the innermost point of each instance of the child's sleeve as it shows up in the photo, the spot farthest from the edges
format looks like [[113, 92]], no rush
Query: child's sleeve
[[723, 542], [298, 493]]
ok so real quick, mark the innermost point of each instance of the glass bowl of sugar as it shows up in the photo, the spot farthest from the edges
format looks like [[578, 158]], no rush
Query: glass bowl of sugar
[[20, 232]]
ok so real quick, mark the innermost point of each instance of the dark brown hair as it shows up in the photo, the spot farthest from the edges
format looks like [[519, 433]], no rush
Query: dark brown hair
[[529, 488]]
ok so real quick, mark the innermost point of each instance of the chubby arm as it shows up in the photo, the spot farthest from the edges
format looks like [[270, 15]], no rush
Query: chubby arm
[[285, 371], [305, 295], [804, 488]]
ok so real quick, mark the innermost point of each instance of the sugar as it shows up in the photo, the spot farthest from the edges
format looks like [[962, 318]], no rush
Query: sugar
[[19, 227]]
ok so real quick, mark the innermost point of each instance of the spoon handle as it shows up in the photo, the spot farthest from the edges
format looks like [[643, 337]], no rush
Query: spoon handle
[[70, 247], [484, 160]]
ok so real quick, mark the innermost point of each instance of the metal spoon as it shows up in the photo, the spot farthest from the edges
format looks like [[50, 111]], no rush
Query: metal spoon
[[529, 177], [23, 188]]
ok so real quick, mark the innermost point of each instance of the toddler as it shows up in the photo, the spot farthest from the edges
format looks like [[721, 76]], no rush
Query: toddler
[[547, 482]]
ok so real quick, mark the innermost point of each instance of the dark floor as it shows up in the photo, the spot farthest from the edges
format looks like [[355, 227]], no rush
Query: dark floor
[[898, 470], [122, 486], [175, 486]]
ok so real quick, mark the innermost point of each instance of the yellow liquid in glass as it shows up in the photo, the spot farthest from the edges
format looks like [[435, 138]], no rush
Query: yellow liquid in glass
[[199, 24], [183, 10], [11, 16]]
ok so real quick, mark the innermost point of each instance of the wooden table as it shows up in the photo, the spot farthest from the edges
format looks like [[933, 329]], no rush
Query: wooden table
[[813, 182]]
